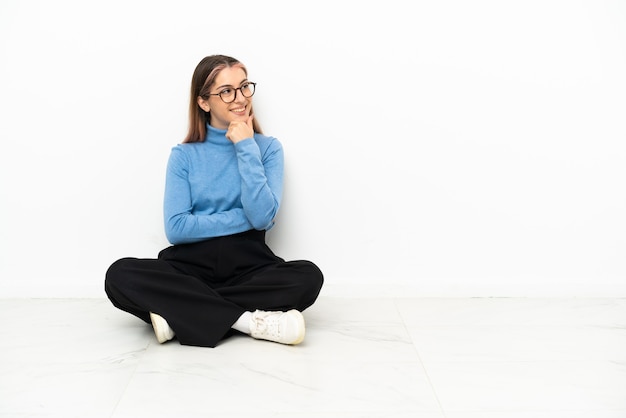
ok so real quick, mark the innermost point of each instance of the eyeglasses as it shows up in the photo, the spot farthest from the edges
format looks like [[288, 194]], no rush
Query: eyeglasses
[[229, 94]]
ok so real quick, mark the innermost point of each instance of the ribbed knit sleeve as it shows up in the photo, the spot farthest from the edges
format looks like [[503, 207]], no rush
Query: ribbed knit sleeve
[[261, 181]]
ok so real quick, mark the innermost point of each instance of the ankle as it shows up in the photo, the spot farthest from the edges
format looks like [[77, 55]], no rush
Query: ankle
[[243, 323]]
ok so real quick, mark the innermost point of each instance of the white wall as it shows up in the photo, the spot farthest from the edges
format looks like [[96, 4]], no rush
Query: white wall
[[435, 148]]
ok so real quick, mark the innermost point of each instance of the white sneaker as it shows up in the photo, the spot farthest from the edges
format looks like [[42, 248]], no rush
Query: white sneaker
[[162, 329], [281, 327]]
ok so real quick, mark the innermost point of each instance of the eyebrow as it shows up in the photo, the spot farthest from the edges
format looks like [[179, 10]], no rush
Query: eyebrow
[[230, 85]]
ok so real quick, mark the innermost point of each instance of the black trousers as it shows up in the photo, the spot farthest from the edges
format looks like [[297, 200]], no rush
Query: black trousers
[[201, 289]]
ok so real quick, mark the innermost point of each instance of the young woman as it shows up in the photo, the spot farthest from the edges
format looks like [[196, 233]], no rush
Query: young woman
[[223, 189]]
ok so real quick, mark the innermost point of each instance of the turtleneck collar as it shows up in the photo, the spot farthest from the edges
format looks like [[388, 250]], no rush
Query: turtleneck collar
[[216, 136]]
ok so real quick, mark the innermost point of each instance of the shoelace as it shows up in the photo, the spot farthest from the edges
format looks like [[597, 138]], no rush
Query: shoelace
[[267, 324]]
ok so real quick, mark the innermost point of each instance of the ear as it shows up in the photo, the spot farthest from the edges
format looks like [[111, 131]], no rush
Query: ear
[[204, 104]]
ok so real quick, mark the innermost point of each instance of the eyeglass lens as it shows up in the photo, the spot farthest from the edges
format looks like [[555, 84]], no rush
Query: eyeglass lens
[[228, 95]]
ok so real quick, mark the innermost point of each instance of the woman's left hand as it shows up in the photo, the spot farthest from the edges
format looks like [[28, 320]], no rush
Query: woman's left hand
[[239, 130]]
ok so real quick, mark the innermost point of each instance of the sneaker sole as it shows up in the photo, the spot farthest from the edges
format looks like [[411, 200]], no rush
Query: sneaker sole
[[301, 326]]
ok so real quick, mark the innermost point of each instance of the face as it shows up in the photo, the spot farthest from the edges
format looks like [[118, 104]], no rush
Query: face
[[222, 114]]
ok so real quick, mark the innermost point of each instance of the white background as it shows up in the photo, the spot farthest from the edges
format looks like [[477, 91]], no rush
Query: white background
[[433, 148]]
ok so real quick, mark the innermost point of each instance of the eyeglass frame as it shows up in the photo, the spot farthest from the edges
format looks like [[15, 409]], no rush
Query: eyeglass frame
[[235, 89]]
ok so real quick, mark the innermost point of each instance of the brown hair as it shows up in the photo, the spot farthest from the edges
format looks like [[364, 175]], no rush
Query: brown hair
[[201, 82]]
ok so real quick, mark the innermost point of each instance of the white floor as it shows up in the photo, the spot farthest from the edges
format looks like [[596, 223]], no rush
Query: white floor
[[428, 358]]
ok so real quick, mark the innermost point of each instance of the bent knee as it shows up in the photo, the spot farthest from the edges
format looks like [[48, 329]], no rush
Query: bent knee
[[118, 270], [312, 274]]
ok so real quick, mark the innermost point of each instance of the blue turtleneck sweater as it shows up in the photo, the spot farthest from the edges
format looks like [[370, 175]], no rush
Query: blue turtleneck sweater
[[216, 188]]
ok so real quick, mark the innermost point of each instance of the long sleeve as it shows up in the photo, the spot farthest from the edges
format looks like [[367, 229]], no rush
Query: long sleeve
[[261, 182]]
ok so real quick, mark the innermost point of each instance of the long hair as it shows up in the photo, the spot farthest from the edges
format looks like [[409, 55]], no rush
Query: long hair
[[201, 82]]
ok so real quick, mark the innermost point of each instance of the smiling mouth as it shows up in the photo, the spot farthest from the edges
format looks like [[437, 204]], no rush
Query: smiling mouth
[[239, 110]]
